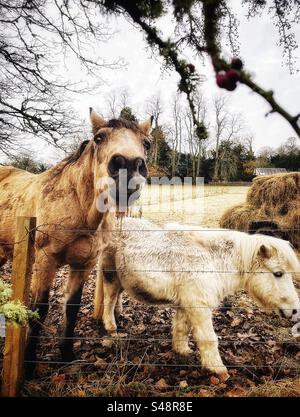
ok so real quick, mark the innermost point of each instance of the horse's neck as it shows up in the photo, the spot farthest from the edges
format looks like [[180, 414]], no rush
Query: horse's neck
[[231, 279], [79, 177]]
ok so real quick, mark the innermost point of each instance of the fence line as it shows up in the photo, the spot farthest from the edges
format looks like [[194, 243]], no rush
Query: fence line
[[120, 230], [174, 270], [162, 306], [168, 365], [12, 380], [153, 339]]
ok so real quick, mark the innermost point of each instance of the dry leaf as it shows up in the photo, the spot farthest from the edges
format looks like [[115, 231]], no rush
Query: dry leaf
[[203, 393], [100, 363], [162, 384], [107, 343], [214, 380], [236, 322], [236, 392]]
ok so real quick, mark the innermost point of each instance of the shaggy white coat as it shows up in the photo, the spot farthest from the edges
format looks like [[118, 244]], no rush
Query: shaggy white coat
[[194, 271]]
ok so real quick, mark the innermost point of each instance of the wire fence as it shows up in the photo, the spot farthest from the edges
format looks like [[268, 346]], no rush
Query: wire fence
[[131, 339]]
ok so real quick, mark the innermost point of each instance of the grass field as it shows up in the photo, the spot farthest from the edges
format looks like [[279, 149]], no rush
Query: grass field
[[203, 205]]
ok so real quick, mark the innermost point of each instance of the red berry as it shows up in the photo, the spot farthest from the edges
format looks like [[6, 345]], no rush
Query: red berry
[[236, 63], [231, 85], [222, 80], [233, 75]]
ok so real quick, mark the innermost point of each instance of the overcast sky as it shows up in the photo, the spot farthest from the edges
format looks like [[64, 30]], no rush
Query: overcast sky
[[143, 77]]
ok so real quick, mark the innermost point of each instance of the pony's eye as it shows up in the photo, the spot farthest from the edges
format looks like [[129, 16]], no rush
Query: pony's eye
[[278, 274], [99, 137], [147, 144]]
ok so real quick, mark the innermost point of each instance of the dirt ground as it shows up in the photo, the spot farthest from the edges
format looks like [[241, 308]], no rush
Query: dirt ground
[[262, 356]]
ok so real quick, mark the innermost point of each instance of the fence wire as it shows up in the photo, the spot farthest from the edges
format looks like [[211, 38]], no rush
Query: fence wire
[[131, 338]]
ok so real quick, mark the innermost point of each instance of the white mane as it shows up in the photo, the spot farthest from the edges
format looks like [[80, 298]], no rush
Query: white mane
[[246, 246], [249, 246]]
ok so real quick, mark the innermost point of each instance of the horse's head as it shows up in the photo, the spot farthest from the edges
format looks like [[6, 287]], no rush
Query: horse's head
[[121, 148], [270, 279]]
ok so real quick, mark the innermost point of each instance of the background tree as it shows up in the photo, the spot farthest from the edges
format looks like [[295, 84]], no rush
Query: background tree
[[176, 134], [33, 94], [200, 26], [26, 162], [228, 127], [127, 114]]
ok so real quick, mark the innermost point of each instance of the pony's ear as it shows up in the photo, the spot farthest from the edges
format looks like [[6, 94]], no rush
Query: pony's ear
[[96, 121], [264, 252], [145, 126]]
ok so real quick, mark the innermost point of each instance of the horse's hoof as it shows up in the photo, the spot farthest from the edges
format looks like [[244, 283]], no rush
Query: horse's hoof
[[112, 332], [29, 371], [67, 355], [184, 353], [68, 358]]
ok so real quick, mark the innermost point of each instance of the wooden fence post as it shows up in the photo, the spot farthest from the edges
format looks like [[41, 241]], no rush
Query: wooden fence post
[[23, 259]]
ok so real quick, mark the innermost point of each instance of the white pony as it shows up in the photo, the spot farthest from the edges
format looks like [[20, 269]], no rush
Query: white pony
[[194, 271]]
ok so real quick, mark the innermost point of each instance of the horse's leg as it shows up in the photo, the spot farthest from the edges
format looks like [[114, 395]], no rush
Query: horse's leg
[[41, 283], [99, 294], [207, 341], [119, 306], [74, 289], [111, 292], [181, 330], [3, 257]]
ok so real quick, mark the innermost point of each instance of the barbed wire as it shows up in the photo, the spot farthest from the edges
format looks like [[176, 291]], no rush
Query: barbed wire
[[169, 365], [163, 306], [153, 339], [59, 228]]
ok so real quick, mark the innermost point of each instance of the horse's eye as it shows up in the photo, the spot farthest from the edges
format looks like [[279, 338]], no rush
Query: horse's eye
[[278, 274], [99, 137], [147, 144]]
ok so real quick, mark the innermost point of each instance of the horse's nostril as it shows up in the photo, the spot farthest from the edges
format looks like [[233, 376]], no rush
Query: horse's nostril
[[119, 162], [116, 163], [294, 311], [140, 166]]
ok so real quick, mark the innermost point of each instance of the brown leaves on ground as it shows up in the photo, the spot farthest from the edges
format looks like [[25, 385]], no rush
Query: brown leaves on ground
[[258, 349]]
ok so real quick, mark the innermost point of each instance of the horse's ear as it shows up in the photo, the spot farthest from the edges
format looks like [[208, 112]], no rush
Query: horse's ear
[[264, 252], [96, 121], [145, 127]]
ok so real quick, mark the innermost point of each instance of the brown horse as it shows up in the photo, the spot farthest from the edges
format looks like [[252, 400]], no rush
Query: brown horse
[[64, 201]]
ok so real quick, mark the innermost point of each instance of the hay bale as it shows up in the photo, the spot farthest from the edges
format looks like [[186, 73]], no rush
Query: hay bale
[[241, 216], [274, 190], [274, 198]]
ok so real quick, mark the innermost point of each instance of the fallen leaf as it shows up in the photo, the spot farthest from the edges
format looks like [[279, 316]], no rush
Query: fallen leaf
[[183, 384], [58, 378], [140, 328], [100, 363], [107, 343], [236, 322], [214, 380], [203, 393], [162, 384], [236, 392]]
